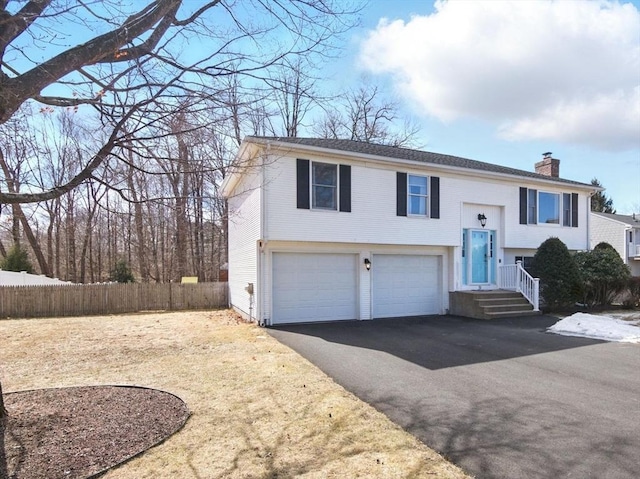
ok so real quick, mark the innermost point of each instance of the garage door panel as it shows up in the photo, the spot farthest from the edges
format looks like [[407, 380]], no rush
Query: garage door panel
[[405, 285], [311, 287]]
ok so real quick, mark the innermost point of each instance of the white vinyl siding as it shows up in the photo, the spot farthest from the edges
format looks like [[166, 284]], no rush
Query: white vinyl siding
[[244, 233], [374, 217]]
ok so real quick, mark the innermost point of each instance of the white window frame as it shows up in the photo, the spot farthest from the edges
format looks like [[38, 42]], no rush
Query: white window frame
[[567, 213], [532, 206], [313, 186], [424, 197]]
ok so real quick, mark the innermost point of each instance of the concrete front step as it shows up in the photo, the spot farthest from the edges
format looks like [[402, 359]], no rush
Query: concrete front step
[[499, 301], [501, 308], [509, 314], [489, 304]]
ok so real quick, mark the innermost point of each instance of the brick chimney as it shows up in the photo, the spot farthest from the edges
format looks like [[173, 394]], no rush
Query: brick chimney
[[548, 166]]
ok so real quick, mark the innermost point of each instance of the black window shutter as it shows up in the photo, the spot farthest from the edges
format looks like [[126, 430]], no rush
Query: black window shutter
[[435, 197], [574, 210], [302, 183], [523, 206], [345, 188], [401, 191]]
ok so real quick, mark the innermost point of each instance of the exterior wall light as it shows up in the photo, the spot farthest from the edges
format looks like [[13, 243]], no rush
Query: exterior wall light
[[483, 219], [367, 264]]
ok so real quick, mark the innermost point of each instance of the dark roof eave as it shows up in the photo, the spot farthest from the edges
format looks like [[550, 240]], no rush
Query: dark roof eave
[[626, 219], [391, 152]]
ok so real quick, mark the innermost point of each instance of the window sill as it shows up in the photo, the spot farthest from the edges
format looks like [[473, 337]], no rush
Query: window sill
[[324, 210]]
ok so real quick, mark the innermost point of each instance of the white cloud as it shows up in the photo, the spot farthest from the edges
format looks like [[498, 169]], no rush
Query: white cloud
[[565, 71]]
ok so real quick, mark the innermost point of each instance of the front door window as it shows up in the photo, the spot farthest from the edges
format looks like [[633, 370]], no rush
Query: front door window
[[480, 257]]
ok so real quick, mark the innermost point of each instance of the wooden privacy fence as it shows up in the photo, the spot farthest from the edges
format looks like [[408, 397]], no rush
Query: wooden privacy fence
[[90, 299]]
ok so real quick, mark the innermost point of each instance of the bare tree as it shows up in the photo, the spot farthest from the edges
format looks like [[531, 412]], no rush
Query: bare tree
[[144, 42], [294, 93], [147, 43], [365, 115]]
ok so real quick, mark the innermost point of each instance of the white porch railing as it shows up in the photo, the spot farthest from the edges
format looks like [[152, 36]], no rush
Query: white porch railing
[[515, 278]]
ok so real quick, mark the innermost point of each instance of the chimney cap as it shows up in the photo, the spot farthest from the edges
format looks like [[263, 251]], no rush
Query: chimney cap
[[547, 154]]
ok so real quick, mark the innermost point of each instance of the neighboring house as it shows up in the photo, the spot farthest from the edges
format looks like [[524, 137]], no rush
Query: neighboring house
[[620, 231], [338, 229], [10, 278]]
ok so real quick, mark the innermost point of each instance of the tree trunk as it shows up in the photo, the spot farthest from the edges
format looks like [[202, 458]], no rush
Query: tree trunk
[[141, 243], [3, 422], [33, 241], [3, 411], [70, 233]]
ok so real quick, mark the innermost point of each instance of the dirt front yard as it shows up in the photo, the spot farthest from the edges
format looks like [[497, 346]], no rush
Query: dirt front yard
[[258, 409]]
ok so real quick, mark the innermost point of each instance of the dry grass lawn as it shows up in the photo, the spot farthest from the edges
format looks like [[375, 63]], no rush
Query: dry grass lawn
[[259, 410]]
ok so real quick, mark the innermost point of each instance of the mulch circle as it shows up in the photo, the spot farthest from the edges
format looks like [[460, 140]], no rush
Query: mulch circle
[[80, 432]]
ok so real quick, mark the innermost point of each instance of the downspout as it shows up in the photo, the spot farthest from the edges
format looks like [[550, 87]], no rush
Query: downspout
[[262, 273], [589, 220], [627, 245]]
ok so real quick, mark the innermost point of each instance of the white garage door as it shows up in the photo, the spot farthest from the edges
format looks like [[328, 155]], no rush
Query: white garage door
[[405, 285], [314, 287]]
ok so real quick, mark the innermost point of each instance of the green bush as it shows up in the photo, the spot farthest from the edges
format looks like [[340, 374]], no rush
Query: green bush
[[632, 300], [604, 275], [122, 273], [603, 245], [560, 284], [17, 260]]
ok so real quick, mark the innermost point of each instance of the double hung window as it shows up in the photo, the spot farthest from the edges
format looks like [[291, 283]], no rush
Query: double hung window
[[566, 209], [324, 186], [532, 208], [417, 195]]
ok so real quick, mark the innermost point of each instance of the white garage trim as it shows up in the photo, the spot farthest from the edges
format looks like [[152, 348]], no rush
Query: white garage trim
[[311, 287], [405, 285]]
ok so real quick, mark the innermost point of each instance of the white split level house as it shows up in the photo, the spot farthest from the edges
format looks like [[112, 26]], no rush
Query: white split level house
[[327, 230], [620, 231]]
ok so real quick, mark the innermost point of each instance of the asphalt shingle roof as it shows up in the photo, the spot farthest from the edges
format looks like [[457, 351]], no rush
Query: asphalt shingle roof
[[629, 219], [394, 152]]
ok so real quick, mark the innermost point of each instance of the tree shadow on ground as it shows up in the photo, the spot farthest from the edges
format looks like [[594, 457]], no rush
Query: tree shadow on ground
[[437, 342], [496, 439], [485, 419], [4, 473]]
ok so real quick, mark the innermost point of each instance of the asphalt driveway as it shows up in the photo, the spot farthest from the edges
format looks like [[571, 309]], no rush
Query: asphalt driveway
[[501, 398]]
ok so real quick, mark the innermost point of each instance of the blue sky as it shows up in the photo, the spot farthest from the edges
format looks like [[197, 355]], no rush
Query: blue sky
[[505, 81]]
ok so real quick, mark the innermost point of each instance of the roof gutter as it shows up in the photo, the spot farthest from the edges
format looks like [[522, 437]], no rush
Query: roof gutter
[[387, 160]]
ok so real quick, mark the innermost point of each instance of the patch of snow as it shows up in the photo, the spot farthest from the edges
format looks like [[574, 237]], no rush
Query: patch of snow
[[592, 326]]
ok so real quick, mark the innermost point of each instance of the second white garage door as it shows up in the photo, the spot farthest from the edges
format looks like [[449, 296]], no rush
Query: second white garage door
[[405, 285], [314, 287]]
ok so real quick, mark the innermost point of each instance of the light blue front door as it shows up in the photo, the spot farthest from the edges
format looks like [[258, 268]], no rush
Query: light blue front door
[[479, 257]]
